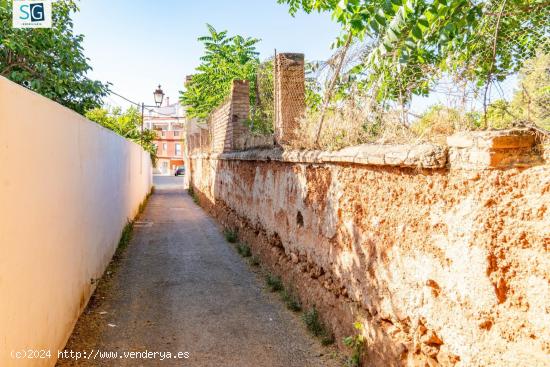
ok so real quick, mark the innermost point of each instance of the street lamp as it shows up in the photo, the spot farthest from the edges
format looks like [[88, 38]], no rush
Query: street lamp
[[159, 96]]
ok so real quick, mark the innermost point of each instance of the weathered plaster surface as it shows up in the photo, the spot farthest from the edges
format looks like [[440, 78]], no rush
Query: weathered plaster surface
[[444, 267]]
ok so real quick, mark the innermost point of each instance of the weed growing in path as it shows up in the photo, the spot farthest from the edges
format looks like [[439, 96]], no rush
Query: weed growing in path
[[125, 237], [254, 261], [144, 202], [230, 235], [316, 326], [274, 283], [244, 250], [127, 231], [291, 301], [193, 195], [357, 343]]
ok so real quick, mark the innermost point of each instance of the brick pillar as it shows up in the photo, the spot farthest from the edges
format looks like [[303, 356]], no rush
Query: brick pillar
[[289, 95], [240, 110], [227, 121]]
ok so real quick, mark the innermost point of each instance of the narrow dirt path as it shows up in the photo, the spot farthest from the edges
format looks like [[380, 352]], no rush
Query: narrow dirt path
[[180, 287]]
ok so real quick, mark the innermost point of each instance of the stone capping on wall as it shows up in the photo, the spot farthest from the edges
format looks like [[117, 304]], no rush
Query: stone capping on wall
[[466, 150], [422, 156], [518, 147]]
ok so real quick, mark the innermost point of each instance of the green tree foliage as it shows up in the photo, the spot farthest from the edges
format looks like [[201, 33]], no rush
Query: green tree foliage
[[49, 61], [499, 114], [126, 124], [263, 111], [411, 42], [225, 59], [531, 102], [440, 121], [314, 89]]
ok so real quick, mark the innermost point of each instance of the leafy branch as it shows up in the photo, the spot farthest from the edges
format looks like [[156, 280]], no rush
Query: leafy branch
[[49, 61], [225, 59]]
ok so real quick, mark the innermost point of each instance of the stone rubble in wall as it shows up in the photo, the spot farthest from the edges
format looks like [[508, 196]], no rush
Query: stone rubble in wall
[[494, 149], [497, 139], [248, 140]]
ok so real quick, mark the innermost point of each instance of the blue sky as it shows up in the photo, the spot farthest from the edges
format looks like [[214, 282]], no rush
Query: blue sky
[[140, 43]]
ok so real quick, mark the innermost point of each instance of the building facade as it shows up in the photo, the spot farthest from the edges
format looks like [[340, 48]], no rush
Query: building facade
[[168, 122]]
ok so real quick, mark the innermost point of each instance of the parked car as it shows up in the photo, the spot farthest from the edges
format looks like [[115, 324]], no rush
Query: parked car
[[180, 171]]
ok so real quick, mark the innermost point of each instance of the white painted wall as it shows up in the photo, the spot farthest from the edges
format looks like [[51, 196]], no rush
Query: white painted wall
[[67, 188]]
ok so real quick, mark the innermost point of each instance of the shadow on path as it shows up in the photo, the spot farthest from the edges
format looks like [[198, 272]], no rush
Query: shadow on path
[[181, 288]]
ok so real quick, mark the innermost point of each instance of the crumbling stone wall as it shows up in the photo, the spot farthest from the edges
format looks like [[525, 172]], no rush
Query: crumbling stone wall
[[442, 253]]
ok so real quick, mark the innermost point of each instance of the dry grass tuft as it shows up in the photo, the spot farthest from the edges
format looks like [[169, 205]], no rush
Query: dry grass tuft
[[350, 126]]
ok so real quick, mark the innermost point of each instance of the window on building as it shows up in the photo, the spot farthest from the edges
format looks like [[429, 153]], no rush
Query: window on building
[[176, 133], [178, 149], [164, 147], [163, 133]]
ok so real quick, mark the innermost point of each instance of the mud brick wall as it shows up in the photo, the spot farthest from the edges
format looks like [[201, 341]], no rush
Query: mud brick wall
[[443, 253], [220, 129], [226, 122]]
